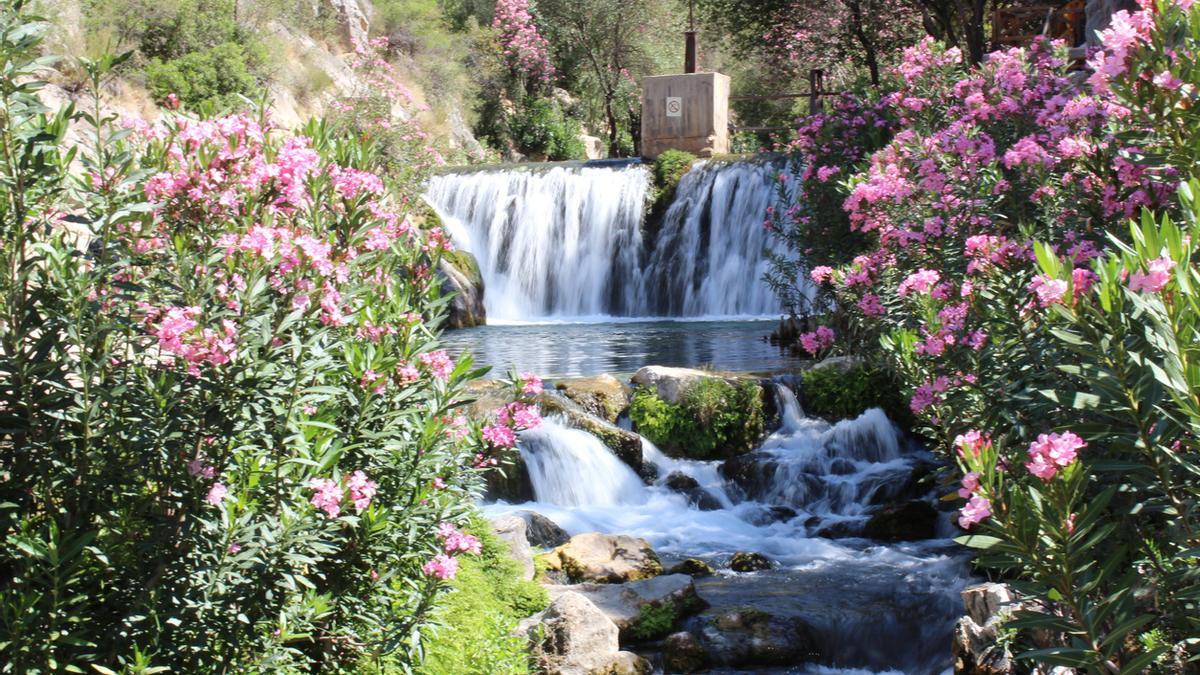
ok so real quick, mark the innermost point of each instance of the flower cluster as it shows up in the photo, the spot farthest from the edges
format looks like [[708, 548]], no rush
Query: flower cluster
[[525, 49], [444, 566], [1053, 452], [329, 494]]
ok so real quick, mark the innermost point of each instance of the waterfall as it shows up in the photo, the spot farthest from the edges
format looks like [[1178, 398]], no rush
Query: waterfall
[[570, 467], [571, 241]]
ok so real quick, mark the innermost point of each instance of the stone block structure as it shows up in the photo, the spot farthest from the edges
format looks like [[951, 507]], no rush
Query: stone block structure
[[685, 112]]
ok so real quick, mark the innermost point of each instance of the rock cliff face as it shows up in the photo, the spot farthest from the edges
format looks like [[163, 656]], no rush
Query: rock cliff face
[[300, 59]]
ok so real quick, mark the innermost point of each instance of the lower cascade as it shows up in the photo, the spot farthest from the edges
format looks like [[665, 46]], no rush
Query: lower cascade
[[870, 606], [573, 241]]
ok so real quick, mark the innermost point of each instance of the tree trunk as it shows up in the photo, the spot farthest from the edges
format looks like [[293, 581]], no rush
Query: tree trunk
[[614, 146], [864, 40]]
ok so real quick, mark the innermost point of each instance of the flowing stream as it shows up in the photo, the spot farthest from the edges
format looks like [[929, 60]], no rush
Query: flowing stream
[[572, 240], [874, 607]]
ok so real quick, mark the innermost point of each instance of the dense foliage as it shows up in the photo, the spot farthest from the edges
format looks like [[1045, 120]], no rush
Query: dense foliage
[[835, 393], [228, 439], [713, 419], [1047, 346], [473, 632]]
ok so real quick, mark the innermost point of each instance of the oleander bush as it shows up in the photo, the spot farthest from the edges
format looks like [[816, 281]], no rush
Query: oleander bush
[[228, 438], [1046, 345]]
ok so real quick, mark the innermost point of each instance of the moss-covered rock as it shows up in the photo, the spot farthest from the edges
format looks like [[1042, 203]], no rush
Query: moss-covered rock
[[460, 277], [840, 388], [604, 396], [608, 558], [695, 415], [747, 561]]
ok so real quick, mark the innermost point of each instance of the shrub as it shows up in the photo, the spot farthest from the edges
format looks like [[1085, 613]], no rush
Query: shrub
[[1048, 348], [714, 419], [835, 394], [216, 78], [476, 621], [540, 128], [229, 439]]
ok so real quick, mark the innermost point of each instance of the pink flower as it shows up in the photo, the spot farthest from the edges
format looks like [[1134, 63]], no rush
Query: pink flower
[[970, 483], [1049, 291], [1050, 452], [1082, 279], [327, 496], [438, 363], [441, 566], [976, 510], [454, 540], [814, 342], [1156, 279], [972, 443], [1167, 80], [201, 469], [361, 490], [821, 274], [920, 282], [871, 305], [216, 494], [531, 384], [500, 436]]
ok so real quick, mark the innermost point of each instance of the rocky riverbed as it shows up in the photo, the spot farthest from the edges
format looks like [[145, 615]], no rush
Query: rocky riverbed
[[823, 548]]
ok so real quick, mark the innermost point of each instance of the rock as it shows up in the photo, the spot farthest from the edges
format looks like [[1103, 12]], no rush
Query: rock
[[909, 521], [573, 637], [542, 532], [752, 473], [460, 276], [843, 364], [681, 482], [607, 558], [693, 567], [683, 653], [974, 644], [746, 561], [773, 514], [749, 637], [625, 663], [644, 609], [513, 530], [703, 500], [626, 445], [603, 396], [593, 147], [510, 480], [840, 530], [353, 22], [669, 383]]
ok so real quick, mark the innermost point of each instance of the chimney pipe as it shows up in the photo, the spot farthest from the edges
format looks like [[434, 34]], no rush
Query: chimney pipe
[[689, 56]]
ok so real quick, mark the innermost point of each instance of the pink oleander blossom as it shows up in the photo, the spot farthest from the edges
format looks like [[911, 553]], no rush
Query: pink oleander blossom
[[871, 305], [1051, 452], [362, 490], [327, 496], [970, 483], [216, 494], [441, 566], [531, 384], [921, 281], [499, 436], [439, 364], [821, 274], [972, 443], [821, 338], [1155, 279], [1049, 291], [977, 509]]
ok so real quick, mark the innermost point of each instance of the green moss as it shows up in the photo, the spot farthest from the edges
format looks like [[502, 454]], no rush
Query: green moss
[[714, 419], [466, 263], [834, 393], [655, 621], [477, 618], [669, 168]]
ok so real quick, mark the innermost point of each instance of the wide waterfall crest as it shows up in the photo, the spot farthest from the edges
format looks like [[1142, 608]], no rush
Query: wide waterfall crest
[[571, 241]]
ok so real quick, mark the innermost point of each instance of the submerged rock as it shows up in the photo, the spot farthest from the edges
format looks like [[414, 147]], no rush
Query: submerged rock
[[607, 558], [542, 532], [681, 482], [903, 522], [746, 636], [683, 653], [746, 561], [573, 637], [603, 395], [643, 609], [693, 567]]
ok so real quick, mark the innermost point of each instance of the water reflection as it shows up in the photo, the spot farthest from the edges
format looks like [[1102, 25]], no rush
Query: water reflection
[[574, 349]]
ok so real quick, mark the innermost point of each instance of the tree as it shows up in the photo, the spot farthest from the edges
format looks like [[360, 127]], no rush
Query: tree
[[601, 45]]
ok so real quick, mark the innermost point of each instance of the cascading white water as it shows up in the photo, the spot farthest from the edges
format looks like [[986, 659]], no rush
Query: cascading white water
[[883, 607], [569, 467], [570, 241]]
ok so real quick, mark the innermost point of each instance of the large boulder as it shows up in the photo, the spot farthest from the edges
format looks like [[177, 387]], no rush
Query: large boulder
[[641, 610], [513, 531], [603, 396], [745, 636], [573, 637], [909, 521], [607, 558], [460, 276], [542, 532]]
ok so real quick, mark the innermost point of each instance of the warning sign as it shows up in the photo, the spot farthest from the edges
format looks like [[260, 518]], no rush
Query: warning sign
[[674, 106]]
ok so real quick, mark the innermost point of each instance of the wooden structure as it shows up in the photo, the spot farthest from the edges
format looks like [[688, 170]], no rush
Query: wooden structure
[[685, 112], [1018, 25]]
